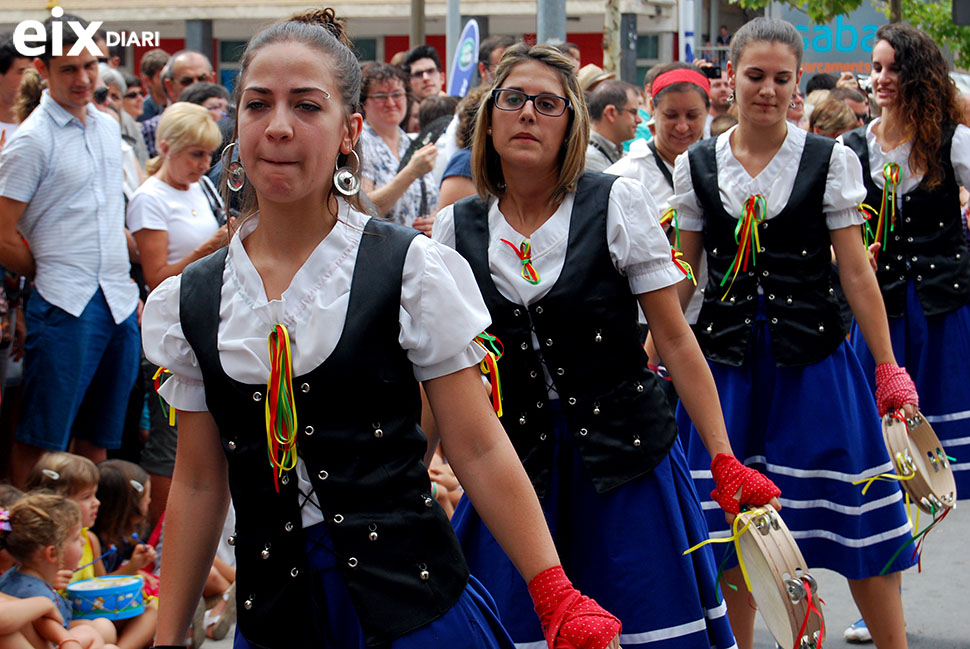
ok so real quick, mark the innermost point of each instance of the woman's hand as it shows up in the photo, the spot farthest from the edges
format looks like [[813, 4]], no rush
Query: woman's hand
[[422, 161], [895, 390]]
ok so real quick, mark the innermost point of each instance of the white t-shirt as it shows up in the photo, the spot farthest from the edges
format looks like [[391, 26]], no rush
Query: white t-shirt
[[184, 213], [844, 190], [959, 158], [441, 313]]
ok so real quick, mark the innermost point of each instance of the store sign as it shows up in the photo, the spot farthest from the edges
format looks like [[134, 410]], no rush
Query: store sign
[[841, 45]]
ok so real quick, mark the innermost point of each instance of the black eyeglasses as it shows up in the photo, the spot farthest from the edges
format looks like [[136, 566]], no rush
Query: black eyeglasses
[[632, 111], [863, 117], [133, 94], [545, 103]]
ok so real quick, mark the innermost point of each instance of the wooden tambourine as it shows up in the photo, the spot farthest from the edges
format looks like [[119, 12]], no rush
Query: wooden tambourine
[[785, 592], [920, 460]]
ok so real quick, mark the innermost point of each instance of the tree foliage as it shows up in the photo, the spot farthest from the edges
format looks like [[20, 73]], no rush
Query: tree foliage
[[935, 17], [820, 11]]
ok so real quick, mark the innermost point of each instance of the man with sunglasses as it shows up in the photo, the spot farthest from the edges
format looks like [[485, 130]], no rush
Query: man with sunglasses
[[182, 70], [613, 120], [424, 67]]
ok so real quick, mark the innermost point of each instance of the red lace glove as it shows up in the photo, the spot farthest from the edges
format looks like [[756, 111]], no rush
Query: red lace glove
[[894, 388], [730, 475], [569, 619]]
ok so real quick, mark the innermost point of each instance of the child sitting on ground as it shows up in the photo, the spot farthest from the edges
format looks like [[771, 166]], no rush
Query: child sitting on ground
[[43, 533]]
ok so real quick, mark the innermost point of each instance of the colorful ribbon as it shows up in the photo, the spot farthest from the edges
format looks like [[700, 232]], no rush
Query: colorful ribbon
[[918, 538], [668, 217], [736, 538], [157, 379], [808, 614], [900, 462], [683, 265], [524, 253], [281, 421], [867, 211], [887, 207], [493, 352], [753, 212]]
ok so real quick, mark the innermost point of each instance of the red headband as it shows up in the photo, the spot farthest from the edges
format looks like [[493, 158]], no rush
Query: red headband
[[681, 75]]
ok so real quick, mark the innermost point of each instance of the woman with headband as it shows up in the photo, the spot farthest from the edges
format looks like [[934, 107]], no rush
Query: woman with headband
[[766, 201], [680, 102], [563, 260]]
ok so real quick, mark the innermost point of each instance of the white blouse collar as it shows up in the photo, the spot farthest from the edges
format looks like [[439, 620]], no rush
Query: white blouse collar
[[790, 153], [899, 155], [546, 238], [328, 255]]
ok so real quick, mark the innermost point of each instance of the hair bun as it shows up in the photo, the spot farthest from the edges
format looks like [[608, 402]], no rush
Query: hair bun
[[326, 18]]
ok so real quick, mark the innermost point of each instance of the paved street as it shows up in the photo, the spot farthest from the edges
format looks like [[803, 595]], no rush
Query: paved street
[[937, 601]]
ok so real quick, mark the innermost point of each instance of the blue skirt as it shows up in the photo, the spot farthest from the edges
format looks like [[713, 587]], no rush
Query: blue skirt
[[936, 353], [623, 548], [472, 622], [813, 430]]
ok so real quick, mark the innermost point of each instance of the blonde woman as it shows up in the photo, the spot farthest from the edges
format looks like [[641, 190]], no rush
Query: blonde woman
[[172, 221], [171, 215]]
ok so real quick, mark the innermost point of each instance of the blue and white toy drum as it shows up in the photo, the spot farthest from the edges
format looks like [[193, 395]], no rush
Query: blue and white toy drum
[[116, 598]]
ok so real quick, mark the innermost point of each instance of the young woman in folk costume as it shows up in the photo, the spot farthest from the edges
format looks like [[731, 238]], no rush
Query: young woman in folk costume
[[764, 202], [563, 259], [305, 338], [915, 157]]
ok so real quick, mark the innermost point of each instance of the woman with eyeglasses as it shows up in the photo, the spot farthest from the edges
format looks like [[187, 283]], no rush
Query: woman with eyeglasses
[[563, 259], [404, 193], [915, 157]]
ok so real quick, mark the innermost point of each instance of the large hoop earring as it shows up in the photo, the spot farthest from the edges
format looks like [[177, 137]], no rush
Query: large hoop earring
[[235, 174], [347, 180]]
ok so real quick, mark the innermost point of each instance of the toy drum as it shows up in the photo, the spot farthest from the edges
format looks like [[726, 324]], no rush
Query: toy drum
[[919, 458], [116, 598], [783, 589]]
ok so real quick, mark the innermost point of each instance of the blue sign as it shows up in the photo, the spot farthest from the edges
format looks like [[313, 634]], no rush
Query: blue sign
[[466, 56], [841, 45]]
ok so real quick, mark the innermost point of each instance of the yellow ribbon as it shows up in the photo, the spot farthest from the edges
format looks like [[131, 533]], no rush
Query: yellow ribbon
[[900, 466], [736, 539]]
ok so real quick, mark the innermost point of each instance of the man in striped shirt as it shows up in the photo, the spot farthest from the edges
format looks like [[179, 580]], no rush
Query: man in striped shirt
[[62, 225]]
